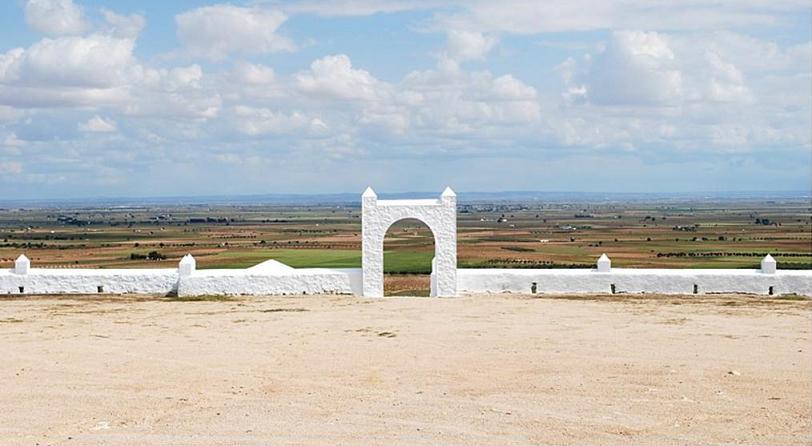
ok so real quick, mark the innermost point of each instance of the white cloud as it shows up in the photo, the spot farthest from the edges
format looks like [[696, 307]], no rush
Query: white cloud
[[12, 141], [123, 26], [217, 31], [635, 68], [11, 168], [335, 8], [258, 121], [469, 45], [533, 17], [334, 76], [55, 17], [95, 61], [254, 74], [652, 95], [97, 124], [181, 77]]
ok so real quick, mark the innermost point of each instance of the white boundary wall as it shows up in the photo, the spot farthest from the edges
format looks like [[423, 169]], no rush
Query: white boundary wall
[[283, 280], [294, 281], [80, 281], [627, 280], [166, 281]]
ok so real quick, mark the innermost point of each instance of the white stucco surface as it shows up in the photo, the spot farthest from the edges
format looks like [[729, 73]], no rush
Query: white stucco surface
[[271, 281], [440, 215], [628, 280], [73, 281]]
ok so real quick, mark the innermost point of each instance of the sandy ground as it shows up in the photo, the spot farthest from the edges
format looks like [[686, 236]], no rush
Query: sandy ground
[[343, 370]]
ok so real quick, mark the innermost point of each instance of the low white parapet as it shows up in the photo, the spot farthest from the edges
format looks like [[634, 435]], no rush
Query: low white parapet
[[270, 280], [633, 280], [275, 278], [85, 281]]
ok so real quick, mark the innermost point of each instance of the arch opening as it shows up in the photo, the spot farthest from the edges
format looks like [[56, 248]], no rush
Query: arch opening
[[409, 246]]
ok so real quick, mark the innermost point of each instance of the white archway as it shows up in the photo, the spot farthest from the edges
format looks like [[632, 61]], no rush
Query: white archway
[[440, 215]]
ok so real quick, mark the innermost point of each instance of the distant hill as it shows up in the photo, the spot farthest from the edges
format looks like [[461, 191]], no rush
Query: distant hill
[[354, 198]]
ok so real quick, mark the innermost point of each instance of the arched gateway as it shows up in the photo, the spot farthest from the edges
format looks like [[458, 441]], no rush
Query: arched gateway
[[440, 215]]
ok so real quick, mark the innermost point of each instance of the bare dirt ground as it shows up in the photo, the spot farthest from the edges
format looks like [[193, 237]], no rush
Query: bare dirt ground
[[344, 370]]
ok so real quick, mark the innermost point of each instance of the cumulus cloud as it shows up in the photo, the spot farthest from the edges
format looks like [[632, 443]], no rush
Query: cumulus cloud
[[635, 68], [334, 76], [258, 121], [638, 68], [670, 90], [218, 31], [94, 61], [254, 74], [468, 45], [123, 26], [55, 17], [97, 124]]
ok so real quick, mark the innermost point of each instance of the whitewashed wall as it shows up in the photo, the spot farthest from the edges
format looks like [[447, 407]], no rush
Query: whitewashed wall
[[274, 278], [627, 280], [80, 281], [278, 282]]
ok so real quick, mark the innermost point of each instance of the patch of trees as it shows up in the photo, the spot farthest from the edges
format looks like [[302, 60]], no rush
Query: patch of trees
[[730, 254], [526, 263], [152, 255]]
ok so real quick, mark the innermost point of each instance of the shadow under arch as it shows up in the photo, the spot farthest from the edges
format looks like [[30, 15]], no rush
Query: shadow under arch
[[409, 247]]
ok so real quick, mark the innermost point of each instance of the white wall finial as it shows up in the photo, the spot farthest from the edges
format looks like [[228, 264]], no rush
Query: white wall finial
[[187, 265], [369, 193], [604, 264], [22, 265], [448, 192], [768, 265]]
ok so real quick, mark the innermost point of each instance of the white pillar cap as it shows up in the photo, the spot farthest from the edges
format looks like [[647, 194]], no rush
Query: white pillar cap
[[604, 264], [369, 193]]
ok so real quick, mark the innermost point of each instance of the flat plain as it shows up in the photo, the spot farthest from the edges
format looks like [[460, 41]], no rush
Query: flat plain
[[504, 369], [532, 234]]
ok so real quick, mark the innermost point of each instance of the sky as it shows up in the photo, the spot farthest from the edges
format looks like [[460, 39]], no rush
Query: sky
[[155, 98]]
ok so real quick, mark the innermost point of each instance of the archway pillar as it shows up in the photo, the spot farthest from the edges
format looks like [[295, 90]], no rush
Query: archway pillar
[[440, 215]]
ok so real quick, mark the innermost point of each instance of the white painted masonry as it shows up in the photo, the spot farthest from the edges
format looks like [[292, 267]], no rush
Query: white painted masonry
[[604, 264], [275, 278], [22, 265], [768, 265], [629, 280], [73, 281], [187, 266], [271, 282], [440, 215]]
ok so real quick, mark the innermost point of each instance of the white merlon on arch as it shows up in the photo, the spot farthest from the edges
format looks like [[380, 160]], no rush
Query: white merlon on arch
[[22, 265], [187, 266], [604, 264], [369, 193], [768, 265]]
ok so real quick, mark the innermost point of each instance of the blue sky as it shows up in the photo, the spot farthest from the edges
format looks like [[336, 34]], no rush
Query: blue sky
[[155, 98]]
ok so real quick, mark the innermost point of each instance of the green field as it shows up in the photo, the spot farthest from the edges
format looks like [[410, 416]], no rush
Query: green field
[[400, 262]]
